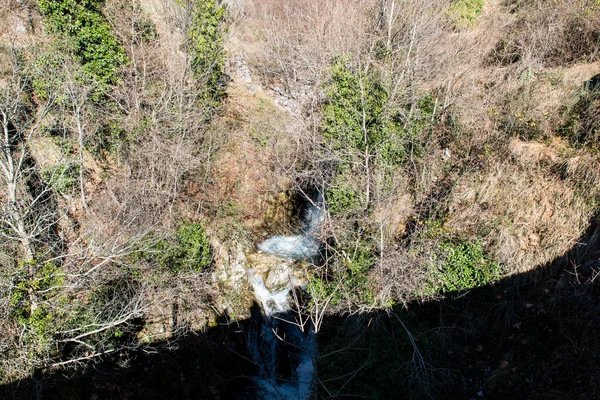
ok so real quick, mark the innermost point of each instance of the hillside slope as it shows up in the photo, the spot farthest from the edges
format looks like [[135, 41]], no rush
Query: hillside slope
[[147, 147]]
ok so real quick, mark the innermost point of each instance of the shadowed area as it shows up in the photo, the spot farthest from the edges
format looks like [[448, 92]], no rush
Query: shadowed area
[[530, 336]]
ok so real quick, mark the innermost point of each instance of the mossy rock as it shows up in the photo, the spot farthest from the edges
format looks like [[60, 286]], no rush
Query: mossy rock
[[278, 213]]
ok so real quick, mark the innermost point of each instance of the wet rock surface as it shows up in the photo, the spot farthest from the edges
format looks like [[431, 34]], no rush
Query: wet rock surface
[[278, 272]]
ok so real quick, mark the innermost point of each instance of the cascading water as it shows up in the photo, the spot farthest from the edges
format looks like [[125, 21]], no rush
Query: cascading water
[[284, 349], [305, 246]]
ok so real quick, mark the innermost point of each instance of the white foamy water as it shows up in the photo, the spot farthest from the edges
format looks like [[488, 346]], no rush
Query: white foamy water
[[271, 303], [298, 247]]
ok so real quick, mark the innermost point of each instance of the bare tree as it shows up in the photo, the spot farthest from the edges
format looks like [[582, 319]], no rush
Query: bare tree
[[19, 124], [48, 267], [79, 97]]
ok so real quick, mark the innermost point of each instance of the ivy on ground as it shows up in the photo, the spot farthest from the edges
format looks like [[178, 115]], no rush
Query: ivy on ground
[[89, 37], [206, 48]]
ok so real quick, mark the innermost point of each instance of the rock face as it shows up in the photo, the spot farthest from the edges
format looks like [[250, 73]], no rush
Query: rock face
[[234, 293], [232, 271], [238, 64], [277, 272], [235, 3]]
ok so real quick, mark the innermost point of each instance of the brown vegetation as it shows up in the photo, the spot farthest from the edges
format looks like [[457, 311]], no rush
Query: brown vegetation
[[498, 144]]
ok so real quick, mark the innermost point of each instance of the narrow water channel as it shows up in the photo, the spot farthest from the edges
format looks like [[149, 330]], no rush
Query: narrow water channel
[[285, 349]]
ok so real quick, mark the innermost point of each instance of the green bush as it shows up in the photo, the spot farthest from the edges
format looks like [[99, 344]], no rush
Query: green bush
[[88, 35], [350, 280], [359, 125], [37, 320], [357, 102], [354, 100], [189, 250], [194, 247], [320, 289], [342, 197], [62, 177], [49, 76], [361, 260], [206, 48], [371, 138], [411, 135], [465, 267], [463, 13]]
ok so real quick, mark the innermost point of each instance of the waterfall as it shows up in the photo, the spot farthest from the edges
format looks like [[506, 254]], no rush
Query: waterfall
[[298, 247], [284, 349], [304, 246]]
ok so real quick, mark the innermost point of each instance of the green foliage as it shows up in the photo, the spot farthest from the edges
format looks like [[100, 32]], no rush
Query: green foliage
[[370, 137], [88, 35], [464, 12], [189, 251], [361, 260], [465, 267], [361, 127], [320, 289], [357, 116], [48, 75], [62, 177], [354, 114], [194, 247], [432, 228], [30, 308], [206, 48], [412, 133], [342, 196]]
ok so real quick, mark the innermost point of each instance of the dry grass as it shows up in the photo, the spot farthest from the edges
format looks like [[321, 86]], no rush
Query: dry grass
[[552, 33], [21, 23], [533, 200], [583, 170], [527, 216], [523, 198]]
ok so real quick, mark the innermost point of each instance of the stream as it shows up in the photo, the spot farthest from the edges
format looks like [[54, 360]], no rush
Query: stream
[[284, 349]]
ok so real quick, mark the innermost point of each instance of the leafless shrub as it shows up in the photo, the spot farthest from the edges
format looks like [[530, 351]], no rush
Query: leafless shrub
[[159, 107], [304, 35], [401, 274], [552, 34]]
